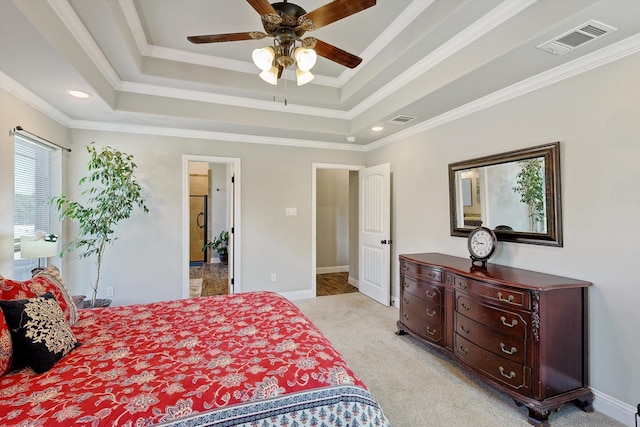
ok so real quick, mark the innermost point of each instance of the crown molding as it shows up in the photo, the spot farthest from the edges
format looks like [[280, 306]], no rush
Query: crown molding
[[70, 19], [236, 101], [21, 92], [604, 56], [211, 135], [488, 22]]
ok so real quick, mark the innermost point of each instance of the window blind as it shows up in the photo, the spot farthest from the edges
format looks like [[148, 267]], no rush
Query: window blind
[[37, 172]]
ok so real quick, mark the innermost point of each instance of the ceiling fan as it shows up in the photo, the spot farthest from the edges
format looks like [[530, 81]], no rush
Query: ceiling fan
[[286, 23]]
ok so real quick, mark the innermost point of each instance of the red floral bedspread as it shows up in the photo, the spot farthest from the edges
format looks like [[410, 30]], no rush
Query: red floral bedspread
[[248, 359]]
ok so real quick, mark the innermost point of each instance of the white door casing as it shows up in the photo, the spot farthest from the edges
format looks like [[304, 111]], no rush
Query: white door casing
[[374, 276]]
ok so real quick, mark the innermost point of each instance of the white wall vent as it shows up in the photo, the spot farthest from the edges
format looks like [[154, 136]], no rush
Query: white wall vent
[[576, 37], [401, 119]]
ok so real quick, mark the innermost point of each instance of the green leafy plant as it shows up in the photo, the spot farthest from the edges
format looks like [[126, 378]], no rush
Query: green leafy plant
[[112, 197], [220, 244], [530, 186]]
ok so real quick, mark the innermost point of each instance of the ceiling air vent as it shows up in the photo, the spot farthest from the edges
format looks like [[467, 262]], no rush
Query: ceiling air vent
[[576, 37], [401, 119]]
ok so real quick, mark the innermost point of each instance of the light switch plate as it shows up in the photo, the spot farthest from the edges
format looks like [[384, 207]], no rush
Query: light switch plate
[[291, 211]]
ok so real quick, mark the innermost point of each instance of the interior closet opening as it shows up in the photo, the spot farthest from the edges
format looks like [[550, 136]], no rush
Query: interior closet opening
[[336, 229]]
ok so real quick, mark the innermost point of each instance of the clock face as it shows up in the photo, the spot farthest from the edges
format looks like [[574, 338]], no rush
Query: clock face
[[482, 243]]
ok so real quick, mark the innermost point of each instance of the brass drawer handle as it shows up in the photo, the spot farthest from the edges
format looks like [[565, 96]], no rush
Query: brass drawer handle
[[462, 285], [465, 330], [464, 350], [431, 313], [508, 299], [504, 350], [431, 274], [465, 306], [431, 331], [406, 301], [406, 285], [405, 268], [513, 323], [406, 317], [510, 376], [430, 294]]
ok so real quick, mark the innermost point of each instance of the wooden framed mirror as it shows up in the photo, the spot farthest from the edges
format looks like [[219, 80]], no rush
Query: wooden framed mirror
[[516, 194]]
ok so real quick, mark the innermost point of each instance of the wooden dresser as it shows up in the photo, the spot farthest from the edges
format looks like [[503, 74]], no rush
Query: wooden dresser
[[523, 332]]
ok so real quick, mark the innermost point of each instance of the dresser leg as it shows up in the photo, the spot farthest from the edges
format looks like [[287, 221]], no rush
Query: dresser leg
[[538, 418], [585, 403], [400, 331]]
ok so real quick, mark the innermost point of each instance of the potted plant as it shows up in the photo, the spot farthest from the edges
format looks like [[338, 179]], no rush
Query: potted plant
[[111, 198], [530, 186], [220, 244]]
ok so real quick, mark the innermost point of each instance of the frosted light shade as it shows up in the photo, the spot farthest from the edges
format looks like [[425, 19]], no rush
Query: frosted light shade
[[305, 58], [34, 246], [263, 57], [304, 77], [270, 76]]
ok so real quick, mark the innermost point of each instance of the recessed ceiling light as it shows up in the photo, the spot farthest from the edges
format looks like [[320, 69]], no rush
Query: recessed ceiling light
[[78, 94], [351, 139], [377, 128]]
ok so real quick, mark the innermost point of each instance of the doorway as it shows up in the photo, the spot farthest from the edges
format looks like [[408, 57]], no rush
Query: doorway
[[213, 183], [335, 229]]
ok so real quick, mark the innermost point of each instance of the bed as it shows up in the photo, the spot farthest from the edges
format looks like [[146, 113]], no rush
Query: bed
[[249, 359]]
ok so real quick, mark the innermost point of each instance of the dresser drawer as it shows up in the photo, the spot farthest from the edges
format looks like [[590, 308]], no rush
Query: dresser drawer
[[504, 321], [515, 376], [425, 290], [421, 271], [502, 295], [415, 309], [507, 346]]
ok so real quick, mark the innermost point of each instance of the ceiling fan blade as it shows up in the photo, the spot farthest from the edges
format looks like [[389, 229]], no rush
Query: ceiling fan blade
[[333, 53], [230, 37], [266, 11], [332, 12]]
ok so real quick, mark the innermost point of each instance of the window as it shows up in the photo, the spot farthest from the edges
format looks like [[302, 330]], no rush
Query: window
[[37, 177]]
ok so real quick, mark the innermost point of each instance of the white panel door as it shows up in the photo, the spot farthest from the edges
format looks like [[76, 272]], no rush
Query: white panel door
[[375, 233]]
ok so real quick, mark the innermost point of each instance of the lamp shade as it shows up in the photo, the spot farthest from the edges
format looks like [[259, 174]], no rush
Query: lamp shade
[[303, 77], [305, 58], [270, 76], [263, 57], [35, 246]]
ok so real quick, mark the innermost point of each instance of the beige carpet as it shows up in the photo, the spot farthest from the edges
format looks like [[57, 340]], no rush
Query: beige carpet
[[195, 288], [416, 385]]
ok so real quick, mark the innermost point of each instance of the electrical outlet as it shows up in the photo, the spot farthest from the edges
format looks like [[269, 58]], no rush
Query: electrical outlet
[[274, 277], [110, 291]]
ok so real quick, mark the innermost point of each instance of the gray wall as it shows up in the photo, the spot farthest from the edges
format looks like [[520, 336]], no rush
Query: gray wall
[[596, 118]]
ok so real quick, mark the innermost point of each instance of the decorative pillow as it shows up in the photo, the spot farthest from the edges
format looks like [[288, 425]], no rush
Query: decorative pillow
[[53, 274], [40, 333], [6, 347], [38, 285]]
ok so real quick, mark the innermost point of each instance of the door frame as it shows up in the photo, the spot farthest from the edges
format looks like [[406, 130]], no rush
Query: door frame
[[314, 225], [234, 203]]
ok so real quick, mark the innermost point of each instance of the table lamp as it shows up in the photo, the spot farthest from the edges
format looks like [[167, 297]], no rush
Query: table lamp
[[38, 245]]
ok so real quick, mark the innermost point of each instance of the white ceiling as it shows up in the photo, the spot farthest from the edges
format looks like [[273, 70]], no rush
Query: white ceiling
[[433, 59]]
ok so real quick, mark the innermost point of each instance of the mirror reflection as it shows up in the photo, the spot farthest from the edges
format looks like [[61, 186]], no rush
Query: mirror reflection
[[507, 196], [517, 194]]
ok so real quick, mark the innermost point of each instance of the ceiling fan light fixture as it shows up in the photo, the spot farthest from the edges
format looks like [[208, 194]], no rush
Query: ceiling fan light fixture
[[303, 77], [270, 76], [305, 58], [263, 57]]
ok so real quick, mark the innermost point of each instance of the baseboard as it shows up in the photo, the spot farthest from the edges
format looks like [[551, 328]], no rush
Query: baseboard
[[353, 282], [296, 295], [614, 408], [333, 269]]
